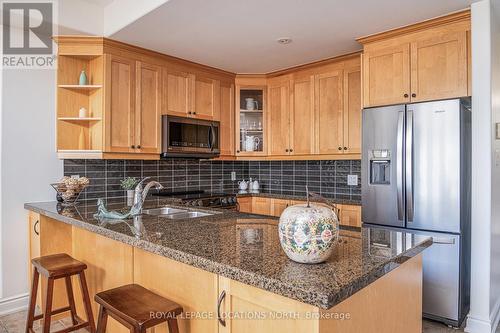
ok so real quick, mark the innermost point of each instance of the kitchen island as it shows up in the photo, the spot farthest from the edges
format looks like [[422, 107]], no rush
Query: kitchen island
[[372, 282]]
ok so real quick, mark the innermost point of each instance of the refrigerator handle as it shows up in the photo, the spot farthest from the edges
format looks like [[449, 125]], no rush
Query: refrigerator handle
[[399, 165], [409, 165]]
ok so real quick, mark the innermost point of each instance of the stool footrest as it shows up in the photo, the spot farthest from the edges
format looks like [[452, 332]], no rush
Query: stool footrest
[[54, 312], [73, 328]]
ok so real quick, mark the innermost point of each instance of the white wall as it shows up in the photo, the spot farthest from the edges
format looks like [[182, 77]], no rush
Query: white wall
[[485, 253], [29, 164]]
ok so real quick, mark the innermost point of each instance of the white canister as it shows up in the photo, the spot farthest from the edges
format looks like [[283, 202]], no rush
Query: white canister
[[83, 113]]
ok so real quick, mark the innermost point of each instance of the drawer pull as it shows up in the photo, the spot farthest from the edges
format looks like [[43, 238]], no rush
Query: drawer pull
[[34, 228], [221, 320]]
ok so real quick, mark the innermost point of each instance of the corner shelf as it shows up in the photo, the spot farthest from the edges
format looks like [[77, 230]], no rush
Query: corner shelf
[[79, 119], [79, 154], [80, 87]]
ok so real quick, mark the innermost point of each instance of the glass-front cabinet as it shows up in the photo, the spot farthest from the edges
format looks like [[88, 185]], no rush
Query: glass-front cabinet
[[251, 121]]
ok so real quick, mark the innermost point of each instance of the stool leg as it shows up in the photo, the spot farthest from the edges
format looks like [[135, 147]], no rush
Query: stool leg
[[172, 325], [102, 320], [71, 299], [32, 305], [48, 305], [86, 301]]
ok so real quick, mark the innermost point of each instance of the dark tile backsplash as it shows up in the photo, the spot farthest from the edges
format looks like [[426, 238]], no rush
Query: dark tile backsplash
[[329, 178]]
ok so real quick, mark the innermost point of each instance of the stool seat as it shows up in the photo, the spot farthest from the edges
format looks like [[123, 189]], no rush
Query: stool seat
[[135, 304], [58, 265]]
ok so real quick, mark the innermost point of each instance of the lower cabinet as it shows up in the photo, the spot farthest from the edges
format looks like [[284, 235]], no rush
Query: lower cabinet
[[194, 289], [248, 309], [350, 215], [34, 248]]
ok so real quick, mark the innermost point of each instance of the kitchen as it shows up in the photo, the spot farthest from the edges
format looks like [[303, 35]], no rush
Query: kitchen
[[196, 173]]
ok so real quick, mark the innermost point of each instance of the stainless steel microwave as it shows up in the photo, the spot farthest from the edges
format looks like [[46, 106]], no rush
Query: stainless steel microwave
[[188, 137]]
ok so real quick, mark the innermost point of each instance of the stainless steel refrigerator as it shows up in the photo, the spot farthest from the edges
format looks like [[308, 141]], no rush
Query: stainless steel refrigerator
[[415, 174]]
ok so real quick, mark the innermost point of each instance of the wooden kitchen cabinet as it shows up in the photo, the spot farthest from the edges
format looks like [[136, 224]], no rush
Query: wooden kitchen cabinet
[[279, 115], [439, 66], [34, 250], [329, 99], [350, 215], [227, 119], [243, 299], [206, 98], [302, 117], [386, 75], [120, 104], [261, 206], [148, 108], [278, 206], [352, 114], [422, 62], [245, 204], [176, 93]]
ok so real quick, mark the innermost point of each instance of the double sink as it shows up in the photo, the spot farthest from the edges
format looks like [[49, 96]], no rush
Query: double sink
[[175, 213]]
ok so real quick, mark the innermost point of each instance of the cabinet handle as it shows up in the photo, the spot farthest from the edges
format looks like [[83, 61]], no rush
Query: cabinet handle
[[340, 148], [286, 150], [133, 146], [194, 112], [34, 228], [413, 95], [189, 112], [291, 150], [405, 95], [221, 320], [345, 148], [237, 151], [139, 147]]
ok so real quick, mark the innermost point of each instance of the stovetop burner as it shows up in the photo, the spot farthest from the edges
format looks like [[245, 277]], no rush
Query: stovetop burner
[[201, 198]]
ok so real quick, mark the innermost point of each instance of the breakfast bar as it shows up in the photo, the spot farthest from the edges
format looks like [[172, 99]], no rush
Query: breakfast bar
[[229, 273]]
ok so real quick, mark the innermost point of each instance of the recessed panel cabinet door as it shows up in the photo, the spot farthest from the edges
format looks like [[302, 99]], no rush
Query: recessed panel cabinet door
[[176, 93], [206, 98], [329, 110], [227, 123], [148, 101], [120, 104], [302, 117], [386, 76], [352, 111], [279, 118], [439, 67]]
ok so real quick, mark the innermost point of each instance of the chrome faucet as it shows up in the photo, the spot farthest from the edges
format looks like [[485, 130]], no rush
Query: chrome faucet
[[140, 193]]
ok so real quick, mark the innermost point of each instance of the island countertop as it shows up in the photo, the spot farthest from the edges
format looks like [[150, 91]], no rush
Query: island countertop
[[246, 248]]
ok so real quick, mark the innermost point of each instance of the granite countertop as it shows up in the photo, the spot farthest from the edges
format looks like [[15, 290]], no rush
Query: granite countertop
[[339, 200], [246, 248]]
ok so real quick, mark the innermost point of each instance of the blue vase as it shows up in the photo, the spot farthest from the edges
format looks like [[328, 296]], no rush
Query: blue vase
[[83, 79]]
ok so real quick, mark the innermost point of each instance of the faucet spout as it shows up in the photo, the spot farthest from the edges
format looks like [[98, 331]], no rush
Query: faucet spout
[[140, 193]]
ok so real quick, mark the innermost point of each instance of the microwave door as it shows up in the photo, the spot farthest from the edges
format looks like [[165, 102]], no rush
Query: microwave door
[[382, 177]]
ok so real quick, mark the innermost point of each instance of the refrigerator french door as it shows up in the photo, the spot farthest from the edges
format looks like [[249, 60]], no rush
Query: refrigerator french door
[[415, 174]]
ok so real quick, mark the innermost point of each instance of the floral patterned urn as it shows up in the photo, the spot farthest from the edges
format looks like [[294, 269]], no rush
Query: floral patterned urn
[[308, 232]]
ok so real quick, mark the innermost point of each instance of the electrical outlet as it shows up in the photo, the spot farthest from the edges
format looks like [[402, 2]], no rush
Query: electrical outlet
[[75, 176], [233, 176], [352, 180]]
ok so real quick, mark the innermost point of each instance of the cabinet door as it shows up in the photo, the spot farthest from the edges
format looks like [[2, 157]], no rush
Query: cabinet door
[[120, 104], [278, 206], [279, 118], [245, 205], [352, 111], [227, 123], [34, 250], [206, 98], [249, 302], [176, 93], [148, 104], [386, 76], [439, 67], [261, 206], [350, 215], [302, 124], [329, 109]]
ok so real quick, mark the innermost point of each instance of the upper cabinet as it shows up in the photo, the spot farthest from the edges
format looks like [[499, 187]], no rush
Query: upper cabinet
[[316, 112], [117, 112], [227, 123], [427, 61]]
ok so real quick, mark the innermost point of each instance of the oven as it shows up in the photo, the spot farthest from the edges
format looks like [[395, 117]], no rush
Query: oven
[[188, 137]]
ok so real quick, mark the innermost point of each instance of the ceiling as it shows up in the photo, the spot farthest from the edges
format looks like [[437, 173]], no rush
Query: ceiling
[[241, 36]]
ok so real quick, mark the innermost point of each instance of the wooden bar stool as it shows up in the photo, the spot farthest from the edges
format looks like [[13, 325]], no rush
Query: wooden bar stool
[[136, 308], [55, 267]]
